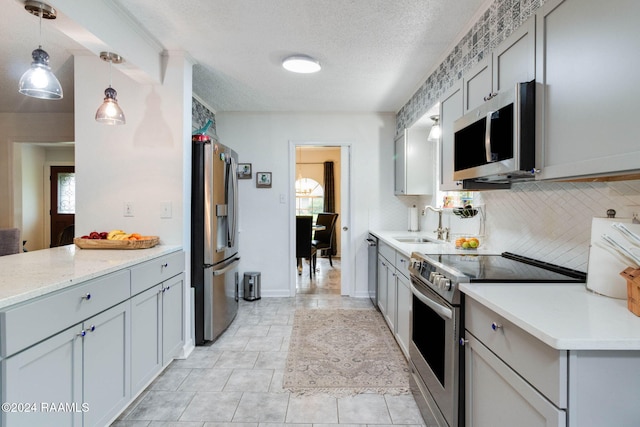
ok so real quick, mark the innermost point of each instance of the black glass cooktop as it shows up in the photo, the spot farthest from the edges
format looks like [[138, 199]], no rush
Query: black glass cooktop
[[508, 267]]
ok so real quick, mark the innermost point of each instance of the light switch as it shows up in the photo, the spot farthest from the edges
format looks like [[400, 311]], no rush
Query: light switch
[[283, 198], [165, 210], [127, 209]]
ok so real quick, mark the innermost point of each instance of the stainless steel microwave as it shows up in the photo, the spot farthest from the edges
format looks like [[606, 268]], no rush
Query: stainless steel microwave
[[496, 141]]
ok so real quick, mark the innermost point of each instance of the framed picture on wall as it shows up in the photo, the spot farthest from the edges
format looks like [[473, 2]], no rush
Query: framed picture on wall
[[263, 179], [244, 170]]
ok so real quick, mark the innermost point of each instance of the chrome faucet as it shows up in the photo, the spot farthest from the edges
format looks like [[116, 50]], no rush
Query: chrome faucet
[[442, 233]]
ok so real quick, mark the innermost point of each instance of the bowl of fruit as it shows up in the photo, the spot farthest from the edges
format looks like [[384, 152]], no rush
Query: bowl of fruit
[[467, 242]]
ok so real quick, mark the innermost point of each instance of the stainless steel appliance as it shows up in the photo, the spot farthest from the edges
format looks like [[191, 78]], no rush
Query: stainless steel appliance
[[372, 243], [496, 141], [437, 321], [214, 243]]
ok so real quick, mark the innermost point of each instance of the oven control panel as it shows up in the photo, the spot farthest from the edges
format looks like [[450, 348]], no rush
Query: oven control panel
[[436, 276]]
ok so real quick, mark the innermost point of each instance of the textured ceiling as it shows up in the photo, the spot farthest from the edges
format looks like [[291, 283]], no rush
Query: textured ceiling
[[374, 53]]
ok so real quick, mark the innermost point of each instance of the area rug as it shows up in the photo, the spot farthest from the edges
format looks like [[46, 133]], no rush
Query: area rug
[[344, 352]]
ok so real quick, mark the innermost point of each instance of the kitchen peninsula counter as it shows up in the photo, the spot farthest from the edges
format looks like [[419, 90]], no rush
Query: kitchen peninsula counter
[[563, 316], [32, 274]]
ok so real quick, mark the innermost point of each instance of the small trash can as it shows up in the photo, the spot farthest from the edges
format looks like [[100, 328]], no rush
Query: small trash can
[[251, 286]]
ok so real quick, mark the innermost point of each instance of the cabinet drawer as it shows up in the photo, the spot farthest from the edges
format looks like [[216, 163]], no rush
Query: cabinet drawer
[[33, 321], [543, 367], [402, 264], [157, 270], [387, 251]]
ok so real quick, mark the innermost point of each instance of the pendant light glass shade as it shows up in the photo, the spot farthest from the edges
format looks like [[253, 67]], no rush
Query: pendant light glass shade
[[110, 112], [39, 81]]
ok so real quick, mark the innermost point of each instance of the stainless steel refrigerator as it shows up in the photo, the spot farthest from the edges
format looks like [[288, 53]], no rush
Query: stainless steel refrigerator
[[214, 243]]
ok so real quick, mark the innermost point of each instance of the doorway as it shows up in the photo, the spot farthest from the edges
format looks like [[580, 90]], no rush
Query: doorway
[[62, 190], [311, 193]]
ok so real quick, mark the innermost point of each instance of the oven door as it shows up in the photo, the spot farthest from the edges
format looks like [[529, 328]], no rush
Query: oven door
[[434, 349]]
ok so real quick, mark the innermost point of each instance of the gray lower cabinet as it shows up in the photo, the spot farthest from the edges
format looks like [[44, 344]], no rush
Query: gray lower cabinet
[[514, 379], [158, 335], [403, 327], [383, 269], [172, 318], [498, 396], [77, 357], [146, 337], [77, 377]]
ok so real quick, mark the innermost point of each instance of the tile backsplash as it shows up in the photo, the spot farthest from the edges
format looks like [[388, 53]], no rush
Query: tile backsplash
[[551, 221]]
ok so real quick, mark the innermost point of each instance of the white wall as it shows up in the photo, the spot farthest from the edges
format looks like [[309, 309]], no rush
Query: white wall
[[140, 162], [263, 140]]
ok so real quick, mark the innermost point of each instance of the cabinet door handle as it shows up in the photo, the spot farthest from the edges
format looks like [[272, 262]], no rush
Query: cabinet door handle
[[495, 326], [463, 342], [165, 265], [86, 296], [92, 328], [82, 333]]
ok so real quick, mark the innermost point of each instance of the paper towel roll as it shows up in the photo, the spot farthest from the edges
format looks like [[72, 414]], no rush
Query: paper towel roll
[[414, 222]]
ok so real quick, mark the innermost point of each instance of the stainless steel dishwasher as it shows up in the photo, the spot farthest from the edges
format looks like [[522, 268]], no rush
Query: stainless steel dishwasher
[[372, 242]]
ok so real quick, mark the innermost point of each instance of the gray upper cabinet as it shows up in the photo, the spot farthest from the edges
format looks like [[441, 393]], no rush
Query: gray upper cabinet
[[587, 61], [478, 84], [413, 161], [451, 108], [514, 60]]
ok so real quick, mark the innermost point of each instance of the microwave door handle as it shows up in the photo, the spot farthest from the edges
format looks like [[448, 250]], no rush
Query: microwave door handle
[[487, 137]]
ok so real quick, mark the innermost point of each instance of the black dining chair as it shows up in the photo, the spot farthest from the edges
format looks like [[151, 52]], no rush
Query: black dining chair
[[304, 249], [323, 239]]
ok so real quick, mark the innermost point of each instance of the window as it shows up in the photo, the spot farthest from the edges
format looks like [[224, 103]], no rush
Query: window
[[66, 193], [309, 197]]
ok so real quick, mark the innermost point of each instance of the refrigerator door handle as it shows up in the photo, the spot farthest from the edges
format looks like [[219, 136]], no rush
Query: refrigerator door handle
[[233, 225], [228, 267]]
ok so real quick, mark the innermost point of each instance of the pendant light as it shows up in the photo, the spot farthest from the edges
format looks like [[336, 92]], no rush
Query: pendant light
[[110, 112], [39, 81], [435, 132]]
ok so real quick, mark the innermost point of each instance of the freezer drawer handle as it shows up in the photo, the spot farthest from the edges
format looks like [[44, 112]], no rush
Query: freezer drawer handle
[[229, 267], [222, 210]]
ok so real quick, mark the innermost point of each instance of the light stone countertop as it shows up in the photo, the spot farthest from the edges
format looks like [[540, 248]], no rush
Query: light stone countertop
[[563, 316], [388, 236], [31, 274]]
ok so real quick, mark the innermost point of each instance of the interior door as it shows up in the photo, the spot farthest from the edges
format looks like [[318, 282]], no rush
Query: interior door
[[63, 205]]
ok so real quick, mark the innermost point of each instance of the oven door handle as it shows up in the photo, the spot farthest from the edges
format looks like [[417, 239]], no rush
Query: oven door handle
[[438, 308]]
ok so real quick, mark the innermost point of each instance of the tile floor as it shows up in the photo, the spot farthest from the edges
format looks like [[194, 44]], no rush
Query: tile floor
[[237, 381]]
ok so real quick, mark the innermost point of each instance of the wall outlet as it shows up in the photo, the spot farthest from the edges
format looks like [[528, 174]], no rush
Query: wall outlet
[[127, 209], [165, 210]]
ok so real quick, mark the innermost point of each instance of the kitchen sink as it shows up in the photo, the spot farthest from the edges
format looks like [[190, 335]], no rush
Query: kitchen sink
[[409, 239]]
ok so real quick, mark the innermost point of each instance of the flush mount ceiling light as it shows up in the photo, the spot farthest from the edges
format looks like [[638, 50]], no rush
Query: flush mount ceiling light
[[39, 81], [435, 132], [301, 64], [110, 112]]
